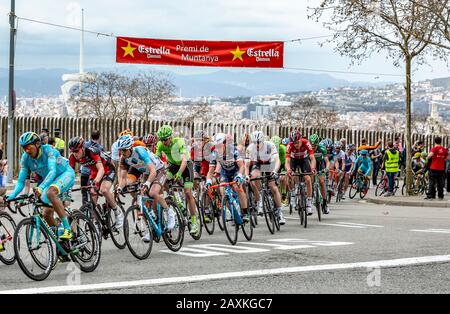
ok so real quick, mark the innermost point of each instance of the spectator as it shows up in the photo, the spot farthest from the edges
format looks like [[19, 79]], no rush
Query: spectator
[[44, 138], [438, 155], [448, 171], [51, 141], [1, 150], [376, 157], [365, 146], [391, 163], [344, 144], [418, 147], [45, 130], [59, 143]]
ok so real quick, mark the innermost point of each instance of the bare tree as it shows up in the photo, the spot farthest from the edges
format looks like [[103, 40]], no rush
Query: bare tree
[[364, 27], [325, 118], [419, 123], [153, 89], [304, 108], [199, 111]]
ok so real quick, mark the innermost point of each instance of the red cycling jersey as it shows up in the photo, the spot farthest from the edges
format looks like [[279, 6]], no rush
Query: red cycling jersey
[[90, 159], [304, 151]]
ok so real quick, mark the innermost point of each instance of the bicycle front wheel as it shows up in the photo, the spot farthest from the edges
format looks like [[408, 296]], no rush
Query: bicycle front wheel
[[7, 228], [247, 229], [353, 190], [268, 213], [117, 233], [33, 249], [138, 233], [230, 226], [85, 248], [175, 236], [381, 187], [208, 210]]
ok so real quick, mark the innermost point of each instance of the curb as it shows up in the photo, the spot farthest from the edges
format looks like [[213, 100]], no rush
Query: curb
[[440, 204]]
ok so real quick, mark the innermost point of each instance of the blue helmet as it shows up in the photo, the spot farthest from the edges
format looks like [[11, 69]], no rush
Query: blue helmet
[[285, 141], [28, 138], [327, 142], [125, 142], [363, 152]]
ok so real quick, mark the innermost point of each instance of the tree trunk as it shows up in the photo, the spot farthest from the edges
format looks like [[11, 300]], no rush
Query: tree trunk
[[408, 144]]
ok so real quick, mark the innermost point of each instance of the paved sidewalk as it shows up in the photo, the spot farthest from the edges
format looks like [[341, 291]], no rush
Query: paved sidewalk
[[400, 200]]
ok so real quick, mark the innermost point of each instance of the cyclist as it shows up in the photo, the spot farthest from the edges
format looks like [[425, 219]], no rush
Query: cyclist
[[201, 153], [283, 179], [102, 171], [349, 161], [58, 177], [262, 158], [320, 154], [179, 164], [244, 143], [363, 164], [339, 161], [137, 162], [227, 161], [300, 156]]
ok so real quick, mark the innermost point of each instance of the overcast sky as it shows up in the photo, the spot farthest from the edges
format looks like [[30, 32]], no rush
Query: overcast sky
[[45, 46]]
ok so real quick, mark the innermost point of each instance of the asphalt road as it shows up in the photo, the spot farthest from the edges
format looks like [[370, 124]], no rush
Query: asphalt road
[[358, 248]]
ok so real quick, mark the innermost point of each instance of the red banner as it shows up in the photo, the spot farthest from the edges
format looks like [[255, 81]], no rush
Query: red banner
[[255, 54]]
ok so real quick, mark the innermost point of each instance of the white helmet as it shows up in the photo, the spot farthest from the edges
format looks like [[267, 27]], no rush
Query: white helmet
[[257, 137], [125, 142], [219, 138]]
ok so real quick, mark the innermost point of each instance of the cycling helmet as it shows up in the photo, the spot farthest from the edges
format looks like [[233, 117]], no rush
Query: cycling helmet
[[28, 138], [125, 142], [257, 137], [295, 136], [219, 138], [76, 143], [327, 142], [417, 155], [276, 140], [314, 139], [351, 146], [149, 140], [337, 144], [363, 152], [285, 141], [165, 132], [125, 132], [424, 154]]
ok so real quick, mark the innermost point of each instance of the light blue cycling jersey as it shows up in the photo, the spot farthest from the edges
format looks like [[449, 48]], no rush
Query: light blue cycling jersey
[[141, 158], [49, 165], [365, 164]]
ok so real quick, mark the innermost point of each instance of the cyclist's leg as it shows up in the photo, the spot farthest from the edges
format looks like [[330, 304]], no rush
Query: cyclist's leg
[[254, 173], [50, 196], [155, 189]]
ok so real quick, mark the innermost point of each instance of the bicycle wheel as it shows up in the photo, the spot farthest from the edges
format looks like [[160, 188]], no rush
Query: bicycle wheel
[[229, 224], [268, 213], [207, 210], [91, 213], [381, 188], [353, 189], [317, 201], [247, 229], [174, 238], [397, 184], [404, 188], [7, 228], [33, 250], [85, 248], [117, 234], [136, 227]]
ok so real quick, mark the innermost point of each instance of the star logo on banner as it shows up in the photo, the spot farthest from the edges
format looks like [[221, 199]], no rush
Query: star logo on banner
[[128, 50], [237, 54]]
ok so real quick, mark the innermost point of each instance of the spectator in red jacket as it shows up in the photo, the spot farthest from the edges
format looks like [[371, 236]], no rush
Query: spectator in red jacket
[[437, 159]]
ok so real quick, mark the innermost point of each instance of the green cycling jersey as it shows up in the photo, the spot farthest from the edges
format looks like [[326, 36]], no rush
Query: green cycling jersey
[[320, 153], [174, 151]]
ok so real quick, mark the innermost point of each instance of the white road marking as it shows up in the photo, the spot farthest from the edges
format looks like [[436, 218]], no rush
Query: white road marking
[[229, 248], [241, 274], [432, 230], [362, 225], [191, 252], [345, 226]]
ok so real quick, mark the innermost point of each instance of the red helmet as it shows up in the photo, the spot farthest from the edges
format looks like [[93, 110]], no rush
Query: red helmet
[[295, 136], [149, 140], [76, 143]]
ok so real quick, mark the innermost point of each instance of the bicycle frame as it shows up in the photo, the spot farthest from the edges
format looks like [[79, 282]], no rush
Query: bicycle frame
[[236, 216], [157, 227]]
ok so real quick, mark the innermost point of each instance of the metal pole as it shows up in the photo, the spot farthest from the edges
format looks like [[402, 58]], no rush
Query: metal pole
[[11, 96]]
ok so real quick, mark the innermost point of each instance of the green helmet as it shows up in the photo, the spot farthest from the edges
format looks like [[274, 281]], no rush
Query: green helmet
[[314, 139], [164, 132], [276, 140], [424, 154]]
